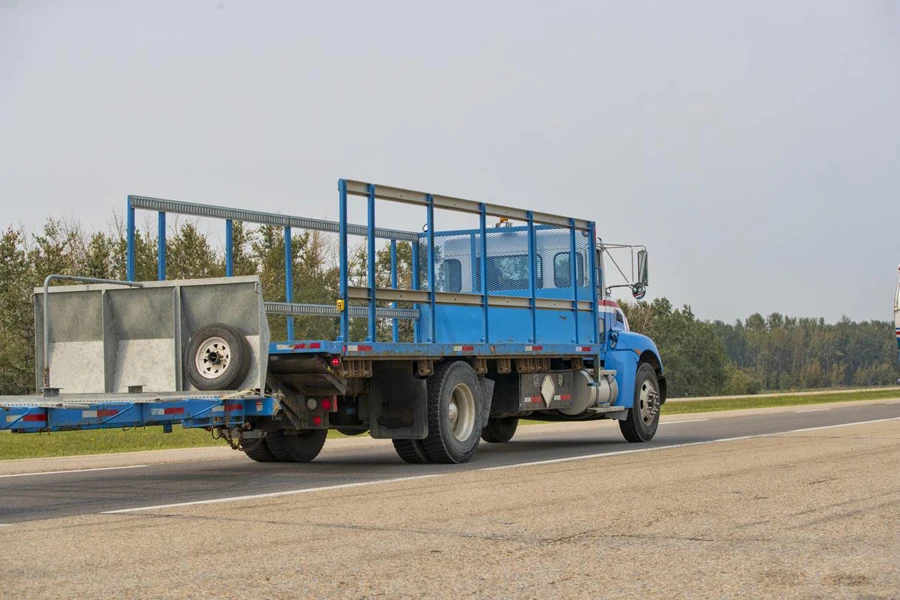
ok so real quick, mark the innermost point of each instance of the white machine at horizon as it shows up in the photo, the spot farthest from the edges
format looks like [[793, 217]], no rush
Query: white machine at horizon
[[897, 312]]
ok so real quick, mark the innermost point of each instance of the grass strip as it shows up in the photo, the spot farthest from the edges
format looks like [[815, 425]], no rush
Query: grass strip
[[714, 405], [103, 441]]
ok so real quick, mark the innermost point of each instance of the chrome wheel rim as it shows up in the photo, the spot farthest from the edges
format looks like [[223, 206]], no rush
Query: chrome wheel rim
[[461, 412], [212, 358], [649, 402]]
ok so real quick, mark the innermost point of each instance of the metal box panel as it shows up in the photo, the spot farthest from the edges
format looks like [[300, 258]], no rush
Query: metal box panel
[[105, 338]]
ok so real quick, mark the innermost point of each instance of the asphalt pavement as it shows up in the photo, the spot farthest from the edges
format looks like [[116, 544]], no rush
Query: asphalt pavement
[[93, 487]]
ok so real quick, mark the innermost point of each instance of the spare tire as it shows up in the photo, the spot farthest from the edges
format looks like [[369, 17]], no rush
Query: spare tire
[[217, 358]]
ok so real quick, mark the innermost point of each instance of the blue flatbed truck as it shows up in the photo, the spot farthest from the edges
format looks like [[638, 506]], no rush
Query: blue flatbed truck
[[504, 325]]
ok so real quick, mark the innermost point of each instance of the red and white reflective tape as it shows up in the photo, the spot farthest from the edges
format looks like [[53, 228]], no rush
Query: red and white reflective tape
[[357, 348], [99, 414], [464, 348], [172, 410], [304, 346], [533, 348], [35, 418], [582, 348]]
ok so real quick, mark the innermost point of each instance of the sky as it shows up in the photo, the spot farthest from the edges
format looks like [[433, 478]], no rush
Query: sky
[[753, 147]]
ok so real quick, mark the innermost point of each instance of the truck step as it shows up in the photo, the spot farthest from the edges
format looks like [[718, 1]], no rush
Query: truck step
[[606, 409]]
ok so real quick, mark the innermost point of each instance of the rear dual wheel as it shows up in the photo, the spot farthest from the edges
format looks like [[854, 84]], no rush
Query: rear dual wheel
[[500, 431], [296, 446], [455, 408], [258, 449]]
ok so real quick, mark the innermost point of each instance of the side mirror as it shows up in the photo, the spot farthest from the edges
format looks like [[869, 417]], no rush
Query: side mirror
[[642, 268]]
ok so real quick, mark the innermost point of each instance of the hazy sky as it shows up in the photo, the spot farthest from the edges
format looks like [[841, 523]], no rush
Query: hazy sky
[[754, 147]]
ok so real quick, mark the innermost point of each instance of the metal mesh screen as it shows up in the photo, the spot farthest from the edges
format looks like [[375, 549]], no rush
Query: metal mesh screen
[[458, 255]]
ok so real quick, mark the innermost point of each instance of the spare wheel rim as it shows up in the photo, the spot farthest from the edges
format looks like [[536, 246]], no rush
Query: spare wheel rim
[[213, 358]]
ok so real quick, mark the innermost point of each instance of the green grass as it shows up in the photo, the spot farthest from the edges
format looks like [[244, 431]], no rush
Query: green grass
[[102, 441], [99, 441]]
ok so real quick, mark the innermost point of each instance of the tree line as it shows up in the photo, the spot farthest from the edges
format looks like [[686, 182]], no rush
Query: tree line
[[701, 358]]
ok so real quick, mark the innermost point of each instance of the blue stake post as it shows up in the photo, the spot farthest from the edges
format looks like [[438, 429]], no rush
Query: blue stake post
[[229, 248], [432, 283], [592, 260], [289, 279], [573, 264], [161, 247], [342, 251], [395, 324], [532, 276], [483, 274], [414, 283], [129, 233], [370, 245]]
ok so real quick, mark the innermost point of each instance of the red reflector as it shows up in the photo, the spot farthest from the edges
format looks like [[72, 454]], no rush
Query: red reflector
[[364, 348], [565, 397], [315, 346], [233, 407], [468, 348], [110, 412], [317, 420], [537, 348], [326, 404], [33, 418], [173, 411]]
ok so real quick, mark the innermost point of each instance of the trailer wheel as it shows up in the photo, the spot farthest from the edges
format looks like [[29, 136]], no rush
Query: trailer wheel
[[301, 446], [258, 449], [411, 451], [217, 358], [643, 418], [454, 413], [500, 431]]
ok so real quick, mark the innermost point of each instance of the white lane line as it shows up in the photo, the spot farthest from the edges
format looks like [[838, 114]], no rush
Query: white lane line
[[687, 445], [685, 421], [812, 410], [326, 488], [73, 471], [515, 466]]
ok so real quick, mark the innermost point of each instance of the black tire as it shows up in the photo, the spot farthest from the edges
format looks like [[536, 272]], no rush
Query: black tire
[[204, 352], [411, 451], [643, 418], [301, 447], [258, 449], [500, 431], [442, 445], [347, 431]]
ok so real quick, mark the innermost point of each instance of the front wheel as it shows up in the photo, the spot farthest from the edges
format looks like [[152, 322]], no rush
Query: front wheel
[[643, 418]]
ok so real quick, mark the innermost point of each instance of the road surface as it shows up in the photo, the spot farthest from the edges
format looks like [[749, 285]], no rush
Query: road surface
[[792, 502]]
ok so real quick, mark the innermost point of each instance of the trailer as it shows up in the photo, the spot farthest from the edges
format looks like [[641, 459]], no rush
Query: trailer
[[505, 320]]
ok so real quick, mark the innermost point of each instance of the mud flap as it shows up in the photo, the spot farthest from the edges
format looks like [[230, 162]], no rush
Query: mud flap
[[398, 403]]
